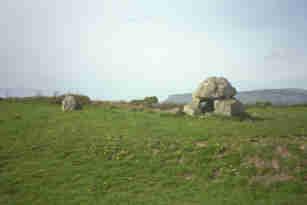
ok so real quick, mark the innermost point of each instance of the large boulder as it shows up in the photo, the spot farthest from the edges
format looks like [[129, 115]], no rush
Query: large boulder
[[214, 95], [69, 103], [191, 109], [228, 107], [81, 99], [214, 88]]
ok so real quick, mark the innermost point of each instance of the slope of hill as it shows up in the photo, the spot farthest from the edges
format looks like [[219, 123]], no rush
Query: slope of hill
[[23, 92], [275, 96]]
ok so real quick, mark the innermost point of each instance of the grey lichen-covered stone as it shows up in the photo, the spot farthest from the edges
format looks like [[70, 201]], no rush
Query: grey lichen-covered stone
[[214, 95], [214, 88], [228, 107], [191, 109], [69, 103]]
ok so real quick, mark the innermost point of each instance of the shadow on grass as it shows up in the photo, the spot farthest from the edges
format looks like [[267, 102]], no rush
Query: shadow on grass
[[174, 115], [242, 117]]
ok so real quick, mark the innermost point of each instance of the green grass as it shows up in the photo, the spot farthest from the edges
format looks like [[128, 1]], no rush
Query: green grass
[[114, 156]]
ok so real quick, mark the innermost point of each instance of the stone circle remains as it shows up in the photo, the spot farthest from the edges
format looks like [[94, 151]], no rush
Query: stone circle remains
[[214, 95]]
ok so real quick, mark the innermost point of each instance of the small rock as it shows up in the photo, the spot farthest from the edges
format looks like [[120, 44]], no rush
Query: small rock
[[258, 163], [275, 164], [270, 179], [155, 152], [218, 172], [201, 144], [303, 147], [188, 176], [283, 151], [181, 161]]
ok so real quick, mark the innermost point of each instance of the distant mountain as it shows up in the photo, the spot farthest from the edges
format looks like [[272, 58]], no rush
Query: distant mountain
[[275, 96], [179, 98], [23, 92]]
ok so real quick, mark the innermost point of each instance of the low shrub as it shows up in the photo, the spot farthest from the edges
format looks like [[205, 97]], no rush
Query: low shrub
[[137, 102], [264, 104], [151, 100], [146, 101]]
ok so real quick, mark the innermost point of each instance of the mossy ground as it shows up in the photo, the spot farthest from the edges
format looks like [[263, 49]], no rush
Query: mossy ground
[[107, 155]]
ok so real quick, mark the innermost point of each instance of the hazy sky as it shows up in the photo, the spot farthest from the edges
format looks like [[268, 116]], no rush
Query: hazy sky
[[124, 49]]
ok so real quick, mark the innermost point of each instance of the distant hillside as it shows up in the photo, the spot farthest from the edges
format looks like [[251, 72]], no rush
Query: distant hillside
[[23, 92], [275, 96]]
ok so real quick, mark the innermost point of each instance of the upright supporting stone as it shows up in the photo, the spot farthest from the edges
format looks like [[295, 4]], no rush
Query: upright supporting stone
[[191, 109], [228, 107]]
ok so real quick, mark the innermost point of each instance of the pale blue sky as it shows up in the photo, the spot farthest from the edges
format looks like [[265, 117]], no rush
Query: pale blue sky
[[125, 49]]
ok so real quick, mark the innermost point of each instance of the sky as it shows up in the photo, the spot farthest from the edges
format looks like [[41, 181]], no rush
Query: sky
[[129, 49]]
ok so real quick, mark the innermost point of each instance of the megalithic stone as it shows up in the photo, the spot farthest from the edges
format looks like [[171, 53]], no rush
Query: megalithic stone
[[192, 109], [218, 95], [228, 107], [69, 103], [214, 88]]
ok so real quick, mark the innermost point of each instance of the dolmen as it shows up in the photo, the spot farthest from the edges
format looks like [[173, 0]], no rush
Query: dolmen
[[70, 103], [214, 95]]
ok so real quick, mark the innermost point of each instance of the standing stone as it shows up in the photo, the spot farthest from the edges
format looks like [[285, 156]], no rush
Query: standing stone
[[228, 107], [191, 109], [69, 103]]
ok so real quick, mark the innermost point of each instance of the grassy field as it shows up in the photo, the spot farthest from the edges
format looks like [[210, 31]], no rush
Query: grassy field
[[107, 155]]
